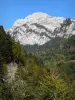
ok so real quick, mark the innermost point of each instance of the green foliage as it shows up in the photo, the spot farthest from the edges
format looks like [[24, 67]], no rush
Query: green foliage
[[5, 93], [51, 76], [18, 52], [5, 47], [45, 85], [4, 69]]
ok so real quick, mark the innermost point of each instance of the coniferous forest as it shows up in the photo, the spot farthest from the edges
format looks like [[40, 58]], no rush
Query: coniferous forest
[[44, 72]]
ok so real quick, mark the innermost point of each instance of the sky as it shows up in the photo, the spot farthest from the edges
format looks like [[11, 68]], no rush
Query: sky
[[11, 10]]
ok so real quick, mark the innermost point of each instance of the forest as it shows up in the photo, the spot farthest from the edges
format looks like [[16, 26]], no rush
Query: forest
[[44, 72]]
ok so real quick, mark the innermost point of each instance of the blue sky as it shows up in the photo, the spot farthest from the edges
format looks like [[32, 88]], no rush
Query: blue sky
[[10, 10]]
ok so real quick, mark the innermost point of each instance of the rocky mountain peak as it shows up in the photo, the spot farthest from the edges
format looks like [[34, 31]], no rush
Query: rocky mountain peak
[[39, 28]]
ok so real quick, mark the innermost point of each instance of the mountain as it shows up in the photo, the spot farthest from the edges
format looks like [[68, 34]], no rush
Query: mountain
[[39, 28], [26, 77]]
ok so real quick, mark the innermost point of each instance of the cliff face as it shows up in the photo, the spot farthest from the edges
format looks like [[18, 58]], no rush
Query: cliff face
[[40, 28]]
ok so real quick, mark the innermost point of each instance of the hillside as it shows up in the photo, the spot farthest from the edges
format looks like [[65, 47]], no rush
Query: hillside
[[11, 51], [37, 72]]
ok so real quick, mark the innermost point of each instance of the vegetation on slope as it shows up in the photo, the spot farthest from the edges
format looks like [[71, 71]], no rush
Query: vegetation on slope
[[52, 78]]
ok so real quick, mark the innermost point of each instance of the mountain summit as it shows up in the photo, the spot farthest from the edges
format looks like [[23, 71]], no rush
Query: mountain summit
[[40, 28]]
